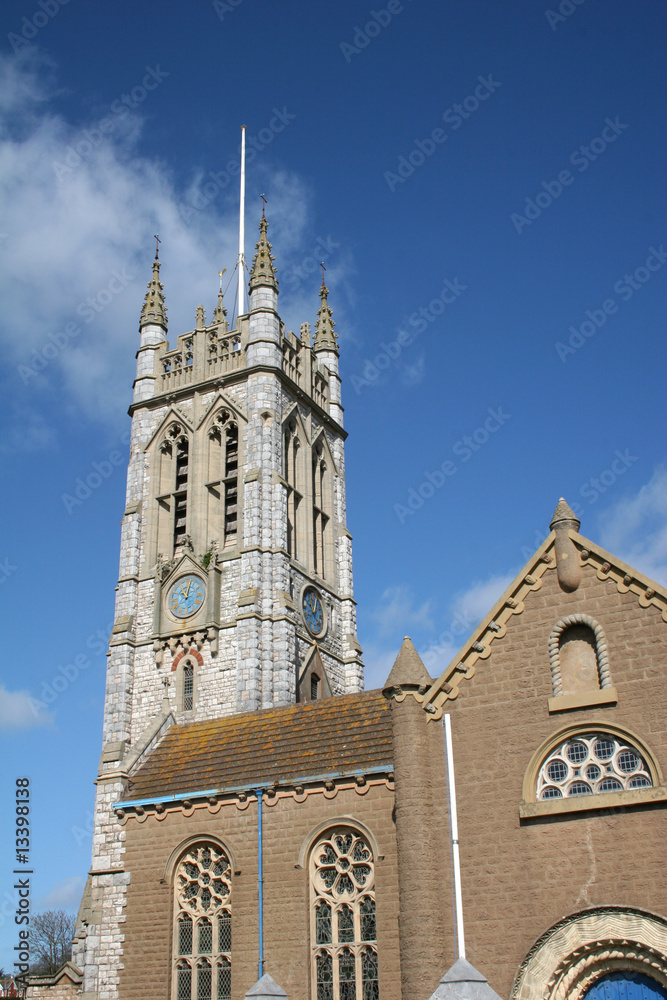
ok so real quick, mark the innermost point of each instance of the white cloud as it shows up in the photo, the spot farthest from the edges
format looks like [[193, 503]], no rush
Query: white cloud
[[466, 611], [19, 710], [397, 614], [65, 895], [396, 610], [635, 528], [72, 228]]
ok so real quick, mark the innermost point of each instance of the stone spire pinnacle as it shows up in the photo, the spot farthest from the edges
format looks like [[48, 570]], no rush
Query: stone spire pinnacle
[[220, 312], [154, 309], [325, 336], [263, 273]]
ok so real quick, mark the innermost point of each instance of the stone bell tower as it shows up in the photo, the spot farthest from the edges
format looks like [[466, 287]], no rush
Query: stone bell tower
[[235, 587]]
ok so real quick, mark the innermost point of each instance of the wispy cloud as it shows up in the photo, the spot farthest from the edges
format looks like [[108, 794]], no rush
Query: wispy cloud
[[635, 527], [69, 231], [18, 711], [65, 895], [399, 613]]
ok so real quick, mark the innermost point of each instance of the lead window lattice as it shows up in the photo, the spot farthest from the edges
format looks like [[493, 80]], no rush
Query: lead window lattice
[[343, 918]]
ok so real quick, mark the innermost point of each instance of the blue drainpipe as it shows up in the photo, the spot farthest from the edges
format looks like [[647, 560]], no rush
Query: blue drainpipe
[[260, 881]]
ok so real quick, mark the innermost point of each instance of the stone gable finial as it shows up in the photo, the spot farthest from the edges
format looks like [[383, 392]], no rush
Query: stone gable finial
[[325, 335], [263, 273], [564, 512], [154, 309]]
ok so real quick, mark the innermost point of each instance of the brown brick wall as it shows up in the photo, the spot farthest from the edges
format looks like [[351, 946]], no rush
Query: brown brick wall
[[521, 877], [148, 929]]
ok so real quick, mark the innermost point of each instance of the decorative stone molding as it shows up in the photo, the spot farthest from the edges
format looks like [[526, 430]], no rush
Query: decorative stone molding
[[494, 627], [627, 579], [565, 961], [600, 650]]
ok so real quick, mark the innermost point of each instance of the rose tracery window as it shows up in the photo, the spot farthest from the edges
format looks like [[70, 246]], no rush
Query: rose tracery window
[[591, 764], [203, 930], [343, 925]]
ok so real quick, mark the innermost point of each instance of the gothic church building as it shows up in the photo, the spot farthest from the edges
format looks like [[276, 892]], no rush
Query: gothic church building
[[258, 812]]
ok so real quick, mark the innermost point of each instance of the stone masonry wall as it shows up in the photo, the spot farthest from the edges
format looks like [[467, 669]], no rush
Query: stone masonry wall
[[147, 959], [520, 877]]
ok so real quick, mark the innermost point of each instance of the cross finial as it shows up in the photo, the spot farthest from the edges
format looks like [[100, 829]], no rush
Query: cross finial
[[157, 245], [323, 270], [166, 682], [263, 197], [220, 274]]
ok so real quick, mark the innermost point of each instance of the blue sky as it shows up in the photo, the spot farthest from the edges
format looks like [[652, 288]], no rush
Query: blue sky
[[486, 181]]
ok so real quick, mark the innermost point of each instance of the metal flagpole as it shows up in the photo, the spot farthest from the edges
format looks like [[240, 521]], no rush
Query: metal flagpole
[[241, 261]]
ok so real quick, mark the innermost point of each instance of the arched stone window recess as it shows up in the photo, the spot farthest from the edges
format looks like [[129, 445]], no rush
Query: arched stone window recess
[[579, 661]]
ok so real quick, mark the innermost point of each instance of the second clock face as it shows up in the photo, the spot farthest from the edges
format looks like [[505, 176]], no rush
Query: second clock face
[[313, 612], [186, 596]]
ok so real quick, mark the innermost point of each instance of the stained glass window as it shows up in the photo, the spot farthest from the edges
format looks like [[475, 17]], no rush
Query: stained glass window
[[592, 764], [202, 892], [343, 918]]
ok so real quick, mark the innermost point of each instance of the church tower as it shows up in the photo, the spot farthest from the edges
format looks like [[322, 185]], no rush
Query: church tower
[[235, 588]]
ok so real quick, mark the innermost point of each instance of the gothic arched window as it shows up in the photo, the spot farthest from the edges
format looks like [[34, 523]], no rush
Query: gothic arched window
[[202, 925], [343, 925], [223, 483], [172, 490], [322, 554], [293, 458]]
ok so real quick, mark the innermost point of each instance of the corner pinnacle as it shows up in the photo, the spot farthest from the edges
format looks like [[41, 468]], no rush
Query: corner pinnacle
[[154, 309], [325, 337], [263, 273]]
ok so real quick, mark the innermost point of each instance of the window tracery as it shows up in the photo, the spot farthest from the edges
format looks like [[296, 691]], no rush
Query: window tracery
[[222, 484], [591, 764], [343, 924], [203, 930]]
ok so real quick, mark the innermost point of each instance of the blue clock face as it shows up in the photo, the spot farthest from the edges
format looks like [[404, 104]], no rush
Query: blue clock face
[[313, 612], [186, 596]]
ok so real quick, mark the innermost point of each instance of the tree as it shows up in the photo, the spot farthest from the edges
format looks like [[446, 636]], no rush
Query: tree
[[51, 936]]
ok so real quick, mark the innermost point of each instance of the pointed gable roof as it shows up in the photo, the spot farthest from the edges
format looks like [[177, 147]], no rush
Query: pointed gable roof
[[494, 626]]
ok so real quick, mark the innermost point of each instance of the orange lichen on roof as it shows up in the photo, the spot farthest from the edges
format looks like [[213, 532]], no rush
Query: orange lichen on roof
[[337, 736]]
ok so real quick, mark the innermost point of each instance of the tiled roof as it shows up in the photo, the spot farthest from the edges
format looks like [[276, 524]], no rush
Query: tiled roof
[[340, 735]]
